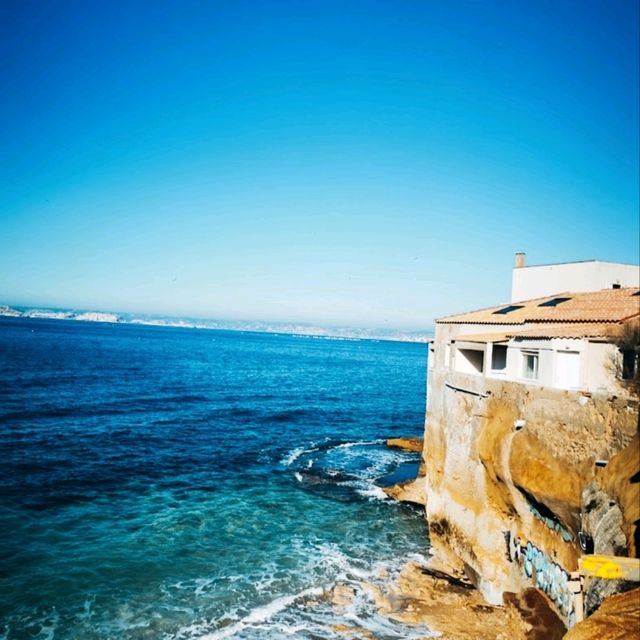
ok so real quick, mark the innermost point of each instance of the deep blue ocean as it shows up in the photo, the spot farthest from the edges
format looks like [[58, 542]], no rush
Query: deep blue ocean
[[179, 483]]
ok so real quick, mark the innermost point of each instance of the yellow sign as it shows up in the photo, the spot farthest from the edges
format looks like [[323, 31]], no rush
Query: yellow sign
[[610, 567]]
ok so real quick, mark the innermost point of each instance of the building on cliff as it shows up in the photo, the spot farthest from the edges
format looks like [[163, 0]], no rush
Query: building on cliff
[[523, 399], [562, 341]]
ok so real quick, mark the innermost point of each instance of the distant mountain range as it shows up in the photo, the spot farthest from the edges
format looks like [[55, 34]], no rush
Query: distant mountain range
[[348, 333]]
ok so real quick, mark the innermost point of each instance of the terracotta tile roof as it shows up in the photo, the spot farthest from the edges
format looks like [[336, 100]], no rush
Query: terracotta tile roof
[[608, 305], [568, 330], [482, 337], [546, 330]]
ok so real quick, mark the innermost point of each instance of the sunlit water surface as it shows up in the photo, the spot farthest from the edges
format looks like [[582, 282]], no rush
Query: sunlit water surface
[[173, 483]]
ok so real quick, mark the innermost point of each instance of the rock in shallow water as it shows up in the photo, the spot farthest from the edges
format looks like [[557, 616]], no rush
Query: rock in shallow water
[[412, 491], [406, 444]]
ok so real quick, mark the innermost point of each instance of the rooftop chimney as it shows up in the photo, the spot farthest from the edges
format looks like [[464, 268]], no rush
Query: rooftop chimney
[[520, 255]]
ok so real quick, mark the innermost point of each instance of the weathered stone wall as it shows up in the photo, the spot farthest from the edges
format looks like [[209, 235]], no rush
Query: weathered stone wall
[[503, 505]]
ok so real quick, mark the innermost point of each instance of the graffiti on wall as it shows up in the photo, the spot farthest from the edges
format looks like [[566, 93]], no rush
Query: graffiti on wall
[[545, 574], [553, 524]]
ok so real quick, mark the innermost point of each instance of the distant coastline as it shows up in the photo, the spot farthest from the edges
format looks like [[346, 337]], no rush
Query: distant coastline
[[342, 333]]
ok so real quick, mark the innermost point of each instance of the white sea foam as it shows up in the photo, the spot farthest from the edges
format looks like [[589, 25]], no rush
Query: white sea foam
[[345, 567], [418, 558], [373, 492], [289, 459], [202, 584], [48, 627], [379, 458], [123, 622], [87, 611], [261, 614], [326, 564], [292, 456], [359, 443]]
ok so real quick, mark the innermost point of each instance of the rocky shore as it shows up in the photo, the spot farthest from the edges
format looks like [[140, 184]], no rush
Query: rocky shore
[[444, 598]]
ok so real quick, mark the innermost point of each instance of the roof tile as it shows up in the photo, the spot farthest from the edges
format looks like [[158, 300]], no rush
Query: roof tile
[[607, 305]]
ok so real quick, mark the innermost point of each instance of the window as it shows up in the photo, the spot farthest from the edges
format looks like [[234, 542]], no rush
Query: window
[[509, 309], [553, 302], [469, 361], [530, 365], [499, 358]]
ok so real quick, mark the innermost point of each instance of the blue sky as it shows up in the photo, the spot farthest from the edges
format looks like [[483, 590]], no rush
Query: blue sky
[[355, 163]]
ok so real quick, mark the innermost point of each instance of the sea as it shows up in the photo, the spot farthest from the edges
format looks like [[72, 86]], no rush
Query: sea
[[170, 483]]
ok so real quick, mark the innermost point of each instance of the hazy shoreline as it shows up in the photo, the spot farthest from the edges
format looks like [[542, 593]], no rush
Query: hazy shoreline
[[294, 329]]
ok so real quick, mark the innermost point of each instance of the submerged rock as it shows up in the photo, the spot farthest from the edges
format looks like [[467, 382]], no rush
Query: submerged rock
[[342, 595]]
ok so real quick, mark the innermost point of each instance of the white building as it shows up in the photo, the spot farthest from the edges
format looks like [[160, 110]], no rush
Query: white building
[[558, 340], [589, 275]]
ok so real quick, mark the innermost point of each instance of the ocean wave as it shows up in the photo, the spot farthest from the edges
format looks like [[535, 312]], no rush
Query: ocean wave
[[373, 492], [327, 445], [347, 471], [359, 443], [261, 614], [294, 454]]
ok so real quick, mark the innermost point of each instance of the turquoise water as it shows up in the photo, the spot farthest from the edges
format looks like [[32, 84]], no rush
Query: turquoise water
[[174, 483]]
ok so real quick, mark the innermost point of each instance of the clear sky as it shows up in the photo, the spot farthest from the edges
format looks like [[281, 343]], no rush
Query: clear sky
[[358, 163]]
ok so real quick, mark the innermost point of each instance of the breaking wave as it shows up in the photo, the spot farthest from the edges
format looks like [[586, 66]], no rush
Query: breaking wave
[[347, 471], [312, 611]]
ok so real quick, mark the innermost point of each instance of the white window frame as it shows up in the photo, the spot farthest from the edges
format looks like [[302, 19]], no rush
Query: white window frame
[[530, 353]]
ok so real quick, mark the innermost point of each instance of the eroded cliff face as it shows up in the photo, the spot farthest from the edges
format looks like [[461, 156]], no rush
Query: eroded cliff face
[[507, 465]]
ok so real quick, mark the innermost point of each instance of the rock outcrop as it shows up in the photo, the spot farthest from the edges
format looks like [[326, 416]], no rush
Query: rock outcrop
[[454, 610], [412, 491], [617, 619], [415, 445]]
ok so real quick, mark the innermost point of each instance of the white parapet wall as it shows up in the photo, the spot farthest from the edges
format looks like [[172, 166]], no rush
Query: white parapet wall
[[544, 280]]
